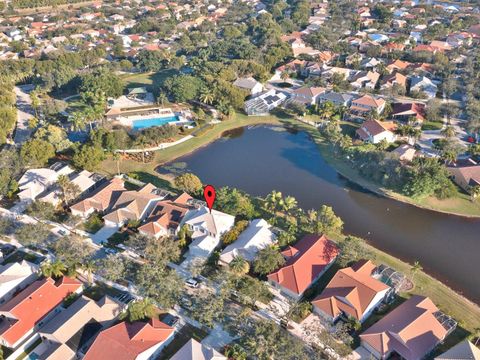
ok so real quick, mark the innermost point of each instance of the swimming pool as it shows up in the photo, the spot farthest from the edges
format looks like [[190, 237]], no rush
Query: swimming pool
[[145, 123]]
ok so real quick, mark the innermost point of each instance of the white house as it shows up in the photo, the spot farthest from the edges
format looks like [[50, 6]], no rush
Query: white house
[[15, 277], [207, 228], [249, 84], [193, 350], [85, 181], [423, 84], [257, 236], [36, 181], [374, 131]]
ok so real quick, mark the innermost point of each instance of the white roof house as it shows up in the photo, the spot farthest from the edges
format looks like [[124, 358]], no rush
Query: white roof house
[[207, 229], [255, 237], [16, 276], [84, 180], [424, 84], [36, 181], [249, 84], [193, 350]]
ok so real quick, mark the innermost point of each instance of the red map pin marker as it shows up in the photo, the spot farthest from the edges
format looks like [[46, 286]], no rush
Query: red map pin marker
[[209, 195]]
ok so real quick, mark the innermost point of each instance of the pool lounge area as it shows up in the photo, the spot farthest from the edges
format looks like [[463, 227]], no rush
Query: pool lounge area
[[142, 118]]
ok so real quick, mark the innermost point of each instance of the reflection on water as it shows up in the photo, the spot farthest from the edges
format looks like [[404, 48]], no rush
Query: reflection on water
[[259, 160]]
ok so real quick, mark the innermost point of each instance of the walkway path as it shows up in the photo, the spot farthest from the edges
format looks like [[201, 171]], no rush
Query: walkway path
[[159, 147], [24, 113]]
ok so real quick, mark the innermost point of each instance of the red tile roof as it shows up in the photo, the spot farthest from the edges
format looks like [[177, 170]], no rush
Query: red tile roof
[[126, 341], [306, 260], [412, 330], [32, 304], [351, 290]]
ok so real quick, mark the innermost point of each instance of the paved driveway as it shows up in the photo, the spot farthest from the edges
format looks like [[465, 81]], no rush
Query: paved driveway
[[24, 113], [104, 233]]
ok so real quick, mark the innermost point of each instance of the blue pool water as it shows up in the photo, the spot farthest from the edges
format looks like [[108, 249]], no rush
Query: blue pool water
[[145, 123]]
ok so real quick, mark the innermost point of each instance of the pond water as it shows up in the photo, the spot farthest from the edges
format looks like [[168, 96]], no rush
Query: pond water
[[261, 159]]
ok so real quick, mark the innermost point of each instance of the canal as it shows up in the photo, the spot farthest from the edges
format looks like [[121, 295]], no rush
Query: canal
[[261, 159]]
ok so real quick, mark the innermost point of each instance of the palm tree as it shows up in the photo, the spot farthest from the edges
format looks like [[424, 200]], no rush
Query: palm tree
[[416, 267], [69, 190], [449, 131], [162, 99], [140, 310], [235, 352], [117, 157], [77, 121], [239, 266], [289, 203], [326, 110], [89, 268], [284, 75], [34, 97], [273, 200], [55, 269], [207, 96], [142, 142]]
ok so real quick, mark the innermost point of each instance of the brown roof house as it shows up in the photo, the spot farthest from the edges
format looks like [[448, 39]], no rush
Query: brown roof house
[[367, 103], [411, 331], [466, 174], [166, 217], [352, 292], [101, 200], [374, 131], [307, 95], [394, 80], [464, 350], [306, 262], [407, 111], [133, 205]]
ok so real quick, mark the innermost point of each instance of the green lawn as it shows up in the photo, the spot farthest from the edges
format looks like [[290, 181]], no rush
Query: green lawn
[[153, 81], [430, 125]]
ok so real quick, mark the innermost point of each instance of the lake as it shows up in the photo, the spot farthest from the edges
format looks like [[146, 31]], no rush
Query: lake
[[261, 159]]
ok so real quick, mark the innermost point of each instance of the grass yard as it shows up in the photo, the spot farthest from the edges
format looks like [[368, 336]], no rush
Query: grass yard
[[153, 81], [432, 125]]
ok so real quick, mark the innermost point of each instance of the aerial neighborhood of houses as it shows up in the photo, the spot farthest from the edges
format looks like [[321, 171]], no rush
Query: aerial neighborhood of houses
[[101, 264]]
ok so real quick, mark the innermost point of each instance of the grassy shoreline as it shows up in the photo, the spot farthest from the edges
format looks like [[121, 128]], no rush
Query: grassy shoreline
[[449, 301]]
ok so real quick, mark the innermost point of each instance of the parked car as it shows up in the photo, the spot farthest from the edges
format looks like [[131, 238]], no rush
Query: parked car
[[193, 283]]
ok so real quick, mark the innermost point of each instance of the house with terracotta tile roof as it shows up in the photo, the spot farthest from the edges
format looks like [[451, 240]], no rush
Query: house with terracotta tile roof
[[131, 341], [367, 103], [394, 79], [464, 350], [32, 308], [411, 331], [398, 65], [101, 200], [133, 205], [306, 262], [193, 350], [352, 292], [166, 217], [374, 131], [76, 327]]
